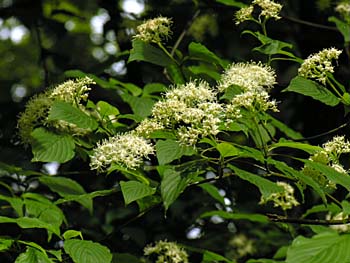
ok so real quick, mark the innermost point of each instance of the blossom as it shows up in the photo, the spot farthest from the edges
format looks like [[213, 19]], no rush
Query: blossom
[[124, 149], [154, 30], [343, 9], [337, 145], [284, 199], [248, 75], [147, 127], [339, 216], [269, 8], [244, 14], [255, 99], [168, 252], [316, 66]]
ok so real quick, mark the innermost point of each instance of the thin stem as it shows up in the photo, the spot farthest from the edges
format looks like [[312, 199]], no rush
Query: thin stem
[[283, 219], [167, 53], [334, 88], [299, 21]]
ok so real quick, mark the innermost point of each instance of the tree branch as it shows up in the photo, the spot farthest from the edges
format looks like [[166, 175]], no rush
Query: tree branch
[[300, 221]]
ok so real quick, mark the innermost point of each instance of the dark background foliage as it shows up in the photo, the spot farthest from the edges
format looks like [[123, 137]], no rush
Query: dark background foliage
[[40, 40]]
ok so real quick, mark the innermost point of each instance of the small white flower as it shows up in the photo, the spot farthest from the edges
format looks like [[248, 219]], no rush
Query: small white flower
[[154, 30], [316, 66], [269, 8], [244, 14], [126, 149], [337, 145], [167, 252], [255, 100], [343, 9]]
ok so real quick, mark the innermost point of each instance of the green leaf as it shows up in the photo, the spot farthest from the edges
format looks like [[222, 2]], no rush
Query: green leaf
[[210, 257], [33, 255], [285, 129], [141, 106], [204, 70], [142, 51], [312, 89], [86, 251], [311, 149], [249, 152], [237, 216], [134, 190], [330, 173], [69, 234], [105, 109], [5, 244], [175, 74], [51, 147], [265, 186], [342, 26], [213, 191], [67, 187], [263, 260], [172, 185], [124, 258], [15, 202], [199, 51], [152, 88], [170, 150], [232, 3], [61, 110], [327, 247], [227, 150]]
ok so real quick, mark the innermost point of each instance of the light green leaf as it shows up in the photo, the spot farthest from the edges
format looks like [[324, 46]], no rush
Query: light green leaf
[[327, 247], [227, 150], [33, 255], [213, 191], [232, 3], [5, 244], [236, 216], [343, 27], [199, 51], [152, 88], [15, 202], [265, 186], [206, 71], [69, 234], [170, 150], [86, 251], [312, 89], [51, 147], [61, 110], [310, 149], [141, 106], [134, 190], [210, 257], [67, 187], [142, 51], [105, 109]]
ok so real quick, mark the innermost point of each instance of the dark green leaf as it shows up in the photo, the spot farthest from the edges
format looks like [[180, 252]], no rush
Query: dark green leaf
[[199, 51], [312, 89], [210, 257], [61, 110], [141, 106], [86, 251], [175, 73], [134, 190], [232, 3], [51, 147], [213, 191], [311, 149], [237, 216], [285, 129], [342, 26], [125, 258]]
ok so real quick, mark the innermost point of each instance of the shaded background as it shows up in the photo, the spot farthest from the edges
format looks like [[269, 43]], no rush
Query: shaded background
[[40, 40]]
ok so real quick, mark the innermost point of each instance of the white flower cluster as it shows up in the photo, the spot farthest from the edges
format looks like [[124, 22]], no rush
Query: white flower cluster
[[340, 216], [316, 66], [337, 146], [154, 30], [255, 79], [268, 9], [190, 109], [168, 252], [343, 9], [125, 149], [37, 109], [285, 199]]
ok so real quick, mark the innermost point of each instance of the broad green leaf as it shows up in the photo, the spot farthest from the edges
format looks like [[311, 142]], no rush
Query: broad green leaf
[[330, 173], [310, 149], [152, 88], [61, 110], [204, 70], [312, 89], [141, 106], [330, 208], [130, 87], [27, 222], [265, 186], [69, 234], [5, 244], [287, 170], [175, 74], [236, 216], [86, 251], [264, 260], [134, 190], [213, 191], [227, 150], [170, 150], [33, 255], [285, 129], [327, 247], [15, 202], [232, 3], [231, 92], [346, 207], [172, 185], [142, 51], [249, 152], [343, 27], [51, 147], [129, 173], [105, 109], [210, 257], [199, 51], [67, 187]]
